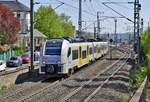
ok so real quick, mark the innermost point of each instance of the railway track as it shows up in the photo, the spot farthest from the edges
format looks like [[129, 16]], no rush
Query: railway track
[[27, 87], [3, 73], [39, 85], [48, 86], [87, 90], [18, 95], [33, 98]]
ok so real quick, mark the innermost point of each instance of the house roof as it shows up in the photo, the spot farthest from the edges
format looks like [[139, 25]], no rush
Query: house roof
[[15, 6], [36, 34]]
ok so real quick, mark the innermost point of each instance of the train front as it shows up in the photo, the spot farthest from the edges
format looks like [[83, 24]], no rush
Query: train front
[[52, 61]]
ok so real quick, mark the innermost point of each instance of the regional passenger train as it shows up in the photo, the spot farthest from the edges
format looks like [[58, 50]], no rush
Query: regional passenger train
[[62, 56]]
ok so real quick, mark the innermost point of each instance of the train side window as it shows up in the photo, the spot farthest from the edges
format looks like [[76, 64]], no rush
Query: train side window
[[95, 48], [74, 54], [69, 52], [83, 54], [80, 52], [91, 51]]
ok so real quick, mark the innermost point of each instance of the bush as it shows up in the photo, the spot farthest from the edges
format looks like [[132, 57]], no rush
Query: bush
[[19, 51], [145, 53], [140, 76], [4, 87], [4, 48]]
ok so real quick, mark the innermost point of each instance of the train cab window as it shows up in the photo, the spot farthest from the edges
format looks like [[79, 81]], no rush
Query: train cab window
[[69, 52]]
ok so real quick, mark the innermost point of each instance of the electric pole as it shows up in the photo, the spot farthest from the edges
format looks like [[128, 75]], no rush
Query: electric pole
[[137, 8], [80, 19], [115, 39], [31, 34], [142, 26], [94, 31], [98, 25]]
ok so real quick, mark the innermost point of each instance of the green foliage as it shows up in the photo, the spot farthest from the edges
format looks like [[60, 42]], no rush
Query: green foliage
[[50, 24], [89, 35], [145, 53], [19, 51], [12, 85], [4, 87], [68, 29], [140, 75]]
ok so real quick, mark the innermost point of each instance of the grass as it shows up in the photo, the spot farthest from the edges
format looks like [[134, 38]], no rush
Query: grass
[[5, 87], [139, 76]]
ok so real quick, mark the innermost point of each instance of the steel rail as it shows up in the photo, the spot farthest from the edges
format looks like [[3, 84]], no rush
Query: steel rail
[[82, 86], [92, 94], [45, 88]]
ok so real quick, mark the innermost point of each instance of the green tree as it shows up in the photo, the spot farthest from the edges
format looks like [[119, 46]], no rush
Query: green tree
[[68, 28], [48, 22], [89, 35], [52, 25]]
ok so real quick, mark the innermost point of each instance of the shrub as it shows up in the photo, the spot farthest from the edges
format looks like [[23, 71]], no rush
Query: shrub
[[4, 87]]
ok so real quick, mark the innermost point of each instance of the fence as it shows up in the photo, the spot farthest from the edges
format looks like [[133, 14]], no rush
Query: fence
[[140, 95], [6, 55]]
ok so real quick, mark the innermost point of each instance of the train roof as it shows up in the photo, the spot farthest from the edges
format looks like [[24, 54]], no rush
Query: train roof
[[75, 40]]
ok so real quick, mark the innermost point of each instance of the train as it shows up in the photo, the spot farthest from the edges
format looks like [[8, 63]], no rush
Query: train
[[62, 56]]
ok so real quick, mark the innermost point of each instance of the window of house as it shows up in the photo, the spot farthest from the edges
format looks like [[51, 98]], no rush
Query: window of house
[[18, 15]]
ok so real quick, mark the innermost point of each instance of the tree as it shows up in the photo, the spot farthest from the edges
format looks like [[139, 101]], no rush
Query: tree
[[48, 22], [51, 24], [68, 28], [9, 26], [89, 35]]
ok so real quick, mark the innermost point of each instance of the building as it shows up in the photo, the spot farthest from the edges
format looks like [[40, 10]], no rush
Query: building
[[21, 11], [39, 39]]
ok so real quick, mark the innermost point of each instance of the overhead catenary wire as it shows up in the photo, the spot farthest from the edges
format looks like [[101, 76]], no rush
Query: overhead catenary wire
[[117, 12], [67, 4]]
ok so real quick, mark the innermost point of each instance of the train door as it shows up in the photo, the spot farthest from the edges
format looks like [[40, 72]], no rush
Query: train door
[[87, 53], [80, 55], [68, 57]]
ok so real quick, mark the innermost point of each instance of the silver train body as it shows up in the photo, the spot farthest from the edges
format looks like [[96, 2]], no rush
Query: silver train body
[[59, 56]]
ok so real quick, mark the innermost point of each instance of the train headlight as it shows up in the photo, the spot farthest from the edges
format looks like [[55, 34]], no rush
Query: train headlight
[[43, 62], [58, 62]]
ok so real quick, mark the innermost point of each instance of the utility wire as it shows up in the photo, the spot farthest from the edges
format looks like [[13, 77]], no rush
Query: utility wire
[[117, 12], [75, 7], [93, 7], [87, 6], [89, 25]]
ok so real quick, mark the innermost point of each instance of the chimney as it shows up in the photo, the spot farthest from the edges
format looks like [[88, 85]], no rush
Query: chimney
[[16, 0]]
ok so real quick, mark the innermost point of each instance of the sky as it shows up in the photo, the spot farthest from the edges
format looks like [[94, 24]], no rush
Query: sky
[[70, 8]]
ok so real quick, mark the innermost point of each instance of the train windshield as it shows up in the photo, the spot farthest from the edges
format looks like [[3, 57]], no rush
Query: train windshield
[[53, 47], [53, 51]]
